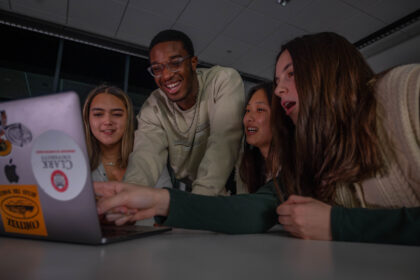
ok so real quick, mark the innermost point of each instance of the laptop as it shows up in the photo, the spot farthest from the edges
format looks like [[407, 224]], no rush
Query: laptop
[[46, 189]]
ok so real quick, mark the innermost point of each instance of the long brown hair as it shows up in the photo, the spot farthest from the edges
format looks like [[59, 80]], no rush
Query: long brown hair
[[127, 140], [335, 138], [253, 168]]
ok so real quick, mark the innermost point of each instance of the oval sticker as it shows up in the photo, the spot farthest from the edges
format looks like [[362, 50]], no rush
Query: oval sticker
[[59, 165], [20, 207]]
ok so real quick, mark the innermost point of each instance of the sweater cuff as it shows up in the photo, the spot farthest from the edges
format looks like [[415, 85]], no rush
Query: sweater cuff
[[336, 216], [347, 224], [174, 197]]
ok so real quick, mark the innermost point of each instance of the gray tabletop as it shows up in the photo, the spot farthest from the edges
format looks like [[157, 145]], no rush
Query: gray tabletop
[[183, 254]]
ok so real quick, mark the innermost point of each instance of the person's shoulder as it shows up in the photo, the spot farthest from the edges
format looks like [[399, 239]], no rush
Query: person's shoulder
[[218, 72], [403, 80], [156, 98], [398, 78], [398, 94], [153, 103]]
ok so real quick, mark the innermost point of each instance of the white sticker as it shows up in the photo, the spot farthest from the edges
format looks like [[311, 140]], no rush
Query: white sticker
[[59, 165]]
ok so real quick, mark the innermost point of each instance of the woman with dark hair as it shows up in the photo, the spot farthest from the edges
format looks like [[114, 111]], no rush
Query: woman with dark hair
[[256, 120], [350, 144]]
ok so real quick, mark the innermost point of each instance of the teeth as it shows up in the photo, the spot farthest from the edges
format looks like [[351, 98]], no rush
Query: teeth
[[252, 129], [288, 104], [172, 85]]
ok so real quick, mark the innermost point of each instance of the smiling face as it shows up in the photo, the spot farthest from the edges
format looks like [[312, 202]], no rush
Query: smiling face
[[181, 86], [107, 119], [285, 86], [257, 122]]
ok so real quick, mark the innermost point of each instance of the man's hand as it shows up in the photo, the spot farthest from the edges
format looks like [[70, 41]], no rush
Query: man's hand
[[306, 218], [122, 202]]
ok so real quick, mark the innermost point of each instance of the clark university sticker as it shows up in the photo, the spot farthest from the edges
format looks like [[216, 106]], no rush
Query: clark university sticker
[[59, 165], [21, 211]]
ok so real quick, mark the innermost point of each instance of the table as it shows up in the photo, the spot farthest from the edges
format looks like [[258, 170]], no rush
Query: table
[[187, 254]]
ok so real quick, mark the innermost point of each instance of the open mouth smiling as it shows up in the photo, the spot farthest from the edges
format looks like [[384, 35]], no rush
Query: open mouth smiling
[[108, 131], [251, 130], [172, 87], [288, 106]]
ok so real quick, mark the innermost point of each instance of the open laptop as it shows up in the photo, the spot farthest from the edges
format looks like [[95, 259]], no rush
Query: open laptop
[[46, 189]]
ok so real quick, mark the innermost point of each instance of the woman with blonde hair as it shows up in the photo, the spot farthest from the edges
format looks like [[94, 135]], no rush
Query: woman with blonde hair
[[109, 128]]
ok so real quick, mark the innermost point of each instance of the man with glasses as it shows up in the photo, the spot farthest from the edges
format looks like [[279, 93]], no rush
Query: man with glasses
[[193, 121]]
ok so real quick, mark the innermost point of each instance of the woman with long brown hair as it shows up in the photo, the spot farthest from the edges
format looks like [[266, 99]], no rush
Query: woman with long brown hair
[[344, 144], [341, 149], [334, 136]]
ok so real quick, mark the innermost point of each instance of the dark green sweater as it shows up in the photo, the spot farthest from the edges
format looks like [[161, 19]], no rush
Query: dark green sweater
[[398, 226], [255, 213]]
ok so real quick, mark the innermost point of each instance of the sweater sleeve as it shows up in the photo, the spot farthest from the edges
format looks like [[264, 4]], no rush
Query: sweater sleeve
[[238, 214], [398, 226], [150, 151], [223, 144]]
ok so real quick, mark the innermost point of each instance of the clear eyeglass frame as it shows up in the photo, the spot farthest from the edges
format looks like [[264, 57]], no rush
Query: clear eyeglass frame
[[173, 66]]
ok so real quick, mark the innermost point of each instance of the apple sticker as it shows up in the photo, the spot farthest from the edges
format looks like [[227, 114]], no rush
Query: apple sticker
[[10, 171]]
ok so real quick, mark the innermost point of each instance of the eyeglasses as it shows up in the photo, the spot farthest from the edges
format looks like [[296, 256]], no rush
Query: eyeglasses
[[173, 65]]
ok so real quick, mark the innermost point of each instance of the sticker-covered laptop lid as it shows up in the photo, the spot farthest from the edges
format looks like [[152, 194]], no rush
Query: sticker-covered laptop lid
[[45, 185]]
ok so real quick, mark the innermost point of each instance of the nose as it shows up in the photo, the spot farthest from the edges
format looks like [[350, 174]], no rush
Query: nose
[[108, 119], [280, 90], [248, 117], [166, 73]]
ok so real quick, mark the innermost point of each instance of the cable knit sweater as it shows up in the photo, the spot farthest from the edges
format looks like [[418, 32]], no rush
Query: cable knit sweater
[[398, 95]]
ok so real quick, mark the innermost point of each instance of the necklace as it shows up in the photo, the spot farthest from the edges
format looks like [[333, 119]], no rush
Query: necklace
[[196, 112], [111, 163]]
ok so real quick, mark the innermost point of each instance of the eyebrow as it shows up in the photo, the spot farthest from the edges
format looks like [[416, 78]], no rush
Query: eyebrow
[[259, 102], [171, 57], [112, 110], [287, 66]]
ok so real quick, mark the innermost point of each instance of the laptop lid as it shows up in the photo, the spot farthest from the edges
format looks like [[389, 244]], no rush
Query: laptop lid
[[45, 181]]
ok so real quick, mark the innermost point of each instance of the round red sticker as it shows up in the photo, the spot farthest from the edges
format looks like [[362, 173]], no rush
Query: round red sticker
[[59, 181]]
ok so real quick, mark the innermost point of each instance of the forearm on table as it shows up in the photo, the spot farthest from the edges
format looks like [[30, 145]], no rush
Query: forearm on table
[[240, 214], [399, 226]]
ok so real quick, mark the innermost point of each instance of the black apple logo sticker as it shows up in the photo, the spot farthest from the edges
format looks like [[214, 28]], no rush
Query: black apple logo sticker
[[10, 171]]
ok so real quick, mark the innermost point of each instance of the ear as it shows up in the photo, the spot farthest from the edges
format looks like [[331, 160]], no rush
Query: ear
[[194, 62]]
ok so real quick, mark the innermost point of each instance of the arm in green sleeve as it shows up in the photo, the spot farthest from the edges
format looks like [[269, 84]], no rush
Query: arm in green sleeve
[[398, 226], [238, 214]]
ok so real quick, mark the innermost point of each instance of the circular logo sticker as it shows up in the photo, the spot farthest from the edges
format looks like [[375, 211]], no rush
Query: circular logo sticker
[[59, 181], [59, 165]]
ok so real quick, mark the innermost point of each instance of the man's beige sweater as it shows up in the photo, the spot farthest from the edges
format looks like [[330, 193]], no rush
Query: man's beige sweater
[[202, 143]]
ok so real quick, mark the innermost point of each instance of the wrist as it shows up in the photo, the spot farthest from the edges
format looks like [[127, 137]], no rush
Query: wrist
[[162, 202]]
